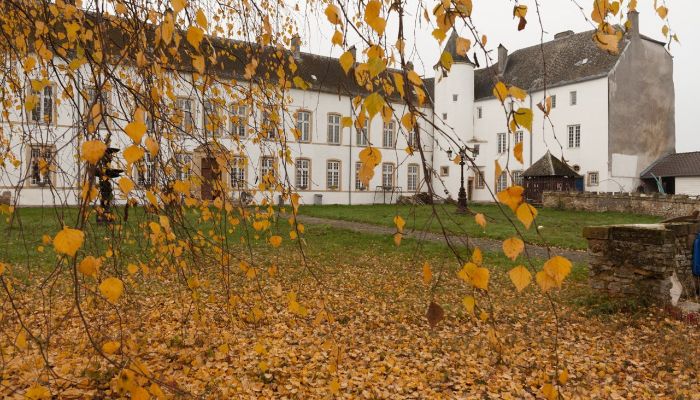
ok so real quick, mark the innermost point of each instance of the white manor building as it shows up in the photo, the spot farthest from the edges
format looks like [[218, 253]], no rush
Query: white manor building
[[612, 115]]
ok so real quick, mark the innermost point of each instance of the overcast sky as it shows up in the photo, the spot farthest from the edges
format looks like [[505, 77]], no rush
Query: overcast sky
[[494, 18]]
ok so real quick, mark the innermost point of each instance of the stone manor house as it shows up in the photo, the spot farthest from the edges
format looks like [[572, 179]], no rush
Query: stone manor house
[[612, 116]]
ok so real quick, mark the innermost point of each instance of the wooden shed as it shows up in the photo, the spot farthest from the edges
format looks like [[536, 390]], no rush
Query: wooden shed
[[550, 174]]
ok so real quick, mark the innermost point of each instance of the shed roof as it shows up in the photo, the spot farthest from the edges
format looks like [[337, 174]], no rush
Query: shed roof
[[549, 165], [677, 164]]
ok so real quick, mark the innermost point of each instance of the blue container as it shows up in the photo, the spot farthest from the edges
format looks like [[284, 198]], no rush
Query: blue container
[[696, 255]]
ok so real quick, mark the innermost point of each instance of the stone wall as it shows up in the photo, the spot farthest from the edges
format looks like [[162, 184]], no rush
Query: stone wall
[[666, 206], [639, 260]]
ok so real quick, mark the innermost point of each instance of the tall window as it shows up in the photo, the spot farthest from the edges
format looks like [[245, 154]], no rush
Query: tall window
[[518, 178], [388, 134], [185, 114], [502, 182], [333, 174], [269, 124], [147, 171], [593, 179], [304, 125], [479, 112], [574, 136], [412, 139], [183, 166], [302, 173], [412, 184], [502, 143], [212, 119], [238, 173], [554, 100], [267, 166], [43, 110], [573, 98], [363, 135], [42, 161], [476, 149], [358, 182], [479, 182], [239, 120], [388, 175], [518, 137], [334, 128]]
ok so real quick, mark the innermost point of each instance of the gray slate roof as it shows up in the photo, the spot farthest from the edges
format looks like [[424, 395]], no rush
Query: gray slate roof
[[549, 165], [564, 58], [678, 164]]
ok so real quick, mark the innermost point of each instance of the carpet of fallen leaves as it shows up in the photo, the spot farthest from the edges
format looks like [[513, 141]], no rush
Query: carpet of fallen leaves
[[379, 344]]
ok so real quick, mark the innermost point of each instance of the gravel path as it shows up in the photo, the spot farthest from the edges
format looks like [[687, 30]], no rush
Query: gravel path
[[484, 243]]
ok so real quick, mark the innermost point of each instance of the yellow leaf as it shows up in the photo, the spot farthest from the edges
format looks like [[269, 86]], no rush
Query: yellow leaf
[[135, 130], [112, 289], [520, 11], [480, 278], [427, 273], [198, 63], [408, 121], [480, 219], [372, 17], [558, 268], [132, 268], [2, 268], [477, 256], [469, 303], [400, 223], [517, 93], [526, 214], [152, 146], [607, 42], [337, 38], [374, 103], [38, 392], [133, 153], [662, 11], [346, 122], [300, 83], [523, 117], [520, 277], [126, 185], [439, 34], [178, 5], [333, 14], [195, 36], [202, 19], [334, 386], [397, 239], [545, 281], [68, 241], [462, 46], [497, 169], [346, 61], [512, 247], [276, 241], [89, 266], [139, 393], [92, 151], [518, 152], [110, 347], [549, 392], [21, 340], [500, 91], [564, 376], [512, 197], [399, 83], [446, 60], [414, 78]]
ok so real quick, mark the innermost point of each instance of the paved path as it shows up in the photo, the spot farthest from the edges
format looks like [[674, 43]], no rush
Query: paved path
[[484, 243]]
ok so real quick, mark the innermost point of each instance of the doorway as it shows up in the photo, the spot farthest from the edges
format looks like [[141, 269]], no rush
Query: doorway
[[211, 174], [470, 188]]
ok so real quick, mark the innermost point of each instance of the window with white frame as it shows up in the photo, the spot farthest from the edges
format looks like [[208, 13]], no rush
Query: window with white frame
[[334, 128], [388, 134], [362, 135], [43, 109], [518, 178], [573, 98], [42, 159], [412, 139], [304, 125], [593, 179], [333, 174], [554, 100], [212, 119], [358, 182], [502, 143], [146, 171], [479, 181], [413, 173], [269, 124], [388, 175], [454, 97], [239, 172], [502, 182], [574, 136], [185, 114], [479, 112], [303, 168], [475, 149], [518, 136], [183, 166], [239, 120], [267, 166]]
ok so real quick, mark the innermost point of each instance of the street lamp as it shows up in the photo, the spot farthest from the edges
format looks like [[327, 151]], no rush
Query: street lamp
[[462, 196]]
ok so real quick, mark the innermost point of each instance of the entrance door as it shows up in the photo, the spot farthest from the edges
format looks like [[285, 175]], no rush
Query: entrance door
[[210, 175], [470, 188]]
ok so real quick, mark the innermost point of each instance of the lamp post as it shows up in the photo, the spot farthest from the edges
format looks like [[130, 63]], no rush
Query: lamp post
[[462, 195]]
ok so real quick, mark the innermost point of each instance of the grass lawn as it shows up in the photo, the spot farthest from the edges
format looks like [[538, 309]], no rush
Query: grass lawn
[[558, 228]]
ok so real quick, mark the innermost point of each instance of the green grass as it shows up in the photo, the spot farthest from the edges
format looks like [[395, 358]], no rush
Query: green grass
[[558, 228]]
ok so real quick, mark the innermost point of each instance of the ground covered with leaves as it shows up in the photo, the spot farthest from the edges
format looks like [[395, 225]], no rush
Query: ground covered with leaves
[[350, 322]]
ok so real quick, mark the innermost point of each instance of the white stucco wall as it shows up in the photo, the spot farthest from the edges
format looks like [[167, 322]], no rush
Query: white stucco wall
[[689, 185]]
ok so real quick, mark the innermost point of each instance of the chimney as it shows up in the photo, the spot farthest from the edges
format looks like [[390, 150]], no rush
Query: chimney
[[296, 46], [563, 34], [502, 58], [633, 18]]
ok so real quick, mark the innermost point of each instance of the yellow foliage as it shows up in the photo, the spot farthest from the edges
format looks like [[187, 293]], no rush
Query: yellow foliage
[[520, 277], [92, 151], [526, 214], [427, 273], [68, 241], [89, 266], [112, 289], [512, 247]]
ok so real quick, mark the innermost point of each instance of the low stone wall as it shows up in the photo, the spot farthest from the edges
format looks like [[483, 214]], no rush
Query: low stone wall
[[639, 260], [650, 204]]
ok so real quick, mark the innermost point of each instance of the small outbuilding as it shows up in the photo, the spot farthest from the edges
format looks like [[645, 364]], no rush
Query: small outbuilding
[[677, 173], [550, 174]]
